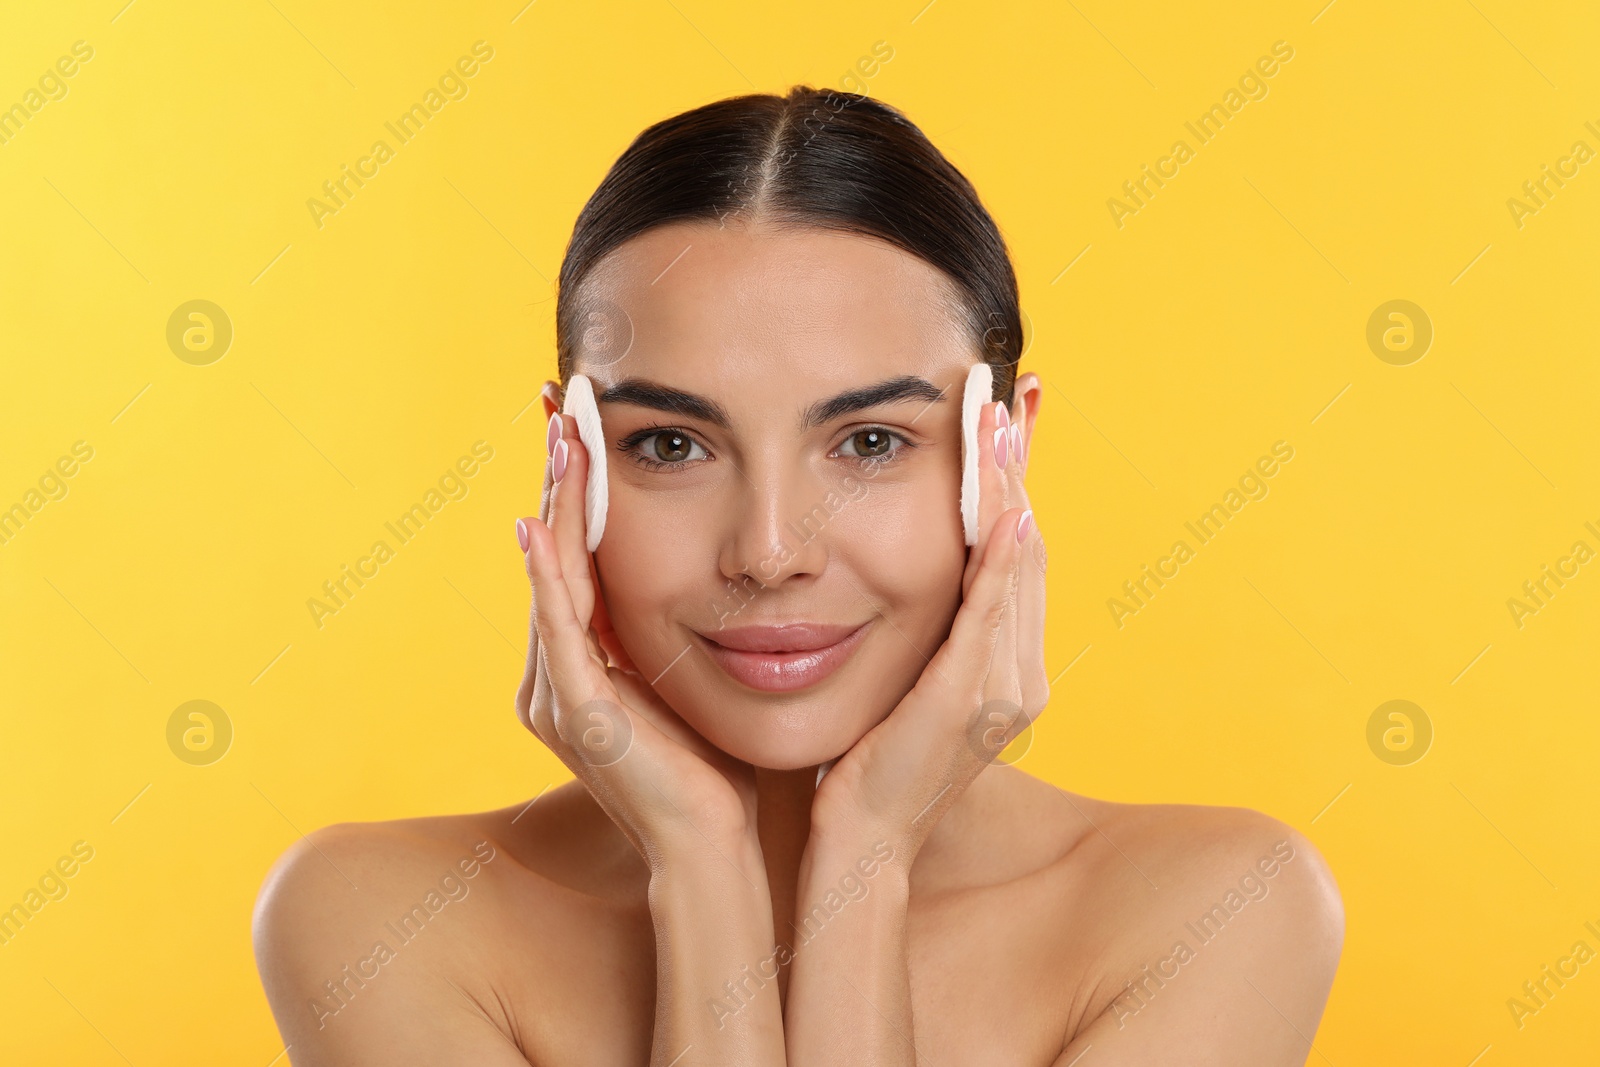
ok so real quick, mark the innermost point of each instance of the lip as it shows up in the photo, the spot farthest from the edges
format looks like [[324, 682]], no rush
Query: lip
[[781, 659]]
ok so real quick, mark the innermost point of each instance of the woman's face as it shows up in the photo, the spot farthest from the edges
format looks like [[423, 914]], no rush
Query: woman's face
[[783, 549]]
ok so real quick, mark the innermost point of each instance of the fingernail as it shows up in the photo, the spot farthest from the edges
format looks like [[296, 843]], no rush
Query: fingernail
[[1000, 437], [558, 460], [1016, 442], [1002, 417], [1025, 527], [553, 433], [522, 534]]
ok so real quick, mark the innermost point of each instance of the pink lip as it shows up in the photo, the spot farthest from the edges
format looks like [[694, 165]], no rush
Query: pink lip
[[778, 659]]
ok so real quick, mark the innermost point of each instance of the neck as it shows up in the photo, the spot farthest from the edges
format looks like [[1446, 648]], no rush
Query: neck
[[783, 825]]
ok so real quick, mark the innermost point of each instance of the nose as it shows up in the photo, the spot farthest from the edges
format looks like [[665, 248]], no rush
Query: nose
[[776, 527]]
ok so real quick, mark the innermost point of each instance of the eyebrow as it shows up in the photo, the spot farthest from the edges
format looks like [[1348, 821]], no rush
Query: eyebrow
[[894, 390], [644, 393], [647, 394]]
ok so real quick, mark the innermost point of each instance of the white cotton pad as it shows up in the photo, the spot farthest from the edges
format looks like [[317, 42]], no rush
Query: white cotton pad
[[979, 390], [581, 406]]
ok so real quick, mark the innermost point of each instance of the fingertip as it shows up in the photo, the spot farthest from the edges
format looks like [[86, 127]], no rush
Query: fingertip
[[541, 540], [522, 534], [1025, 525], [558, 461]]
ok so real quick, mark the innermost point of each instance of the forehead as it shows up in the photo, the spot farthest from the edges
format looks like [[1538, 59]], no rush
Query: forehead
[[778, 317]]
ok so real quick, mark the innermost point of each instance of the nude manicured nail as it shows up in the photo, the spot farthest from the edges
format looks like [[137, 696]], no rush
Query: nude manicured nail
[[558, 460], [1025, 526], [1002, 417], [522, 534], [1000, 439], [1016, 441], [552, 433]]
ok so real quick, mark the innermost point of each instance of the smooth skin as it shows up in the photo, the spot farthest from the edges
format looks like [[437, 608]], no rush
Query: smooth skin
[[693, 895]]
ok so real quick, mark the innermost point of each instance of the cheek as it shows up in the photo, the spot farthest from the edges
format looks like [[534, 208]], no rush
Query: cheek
[[902, 542], [901, 548], [651, 562]]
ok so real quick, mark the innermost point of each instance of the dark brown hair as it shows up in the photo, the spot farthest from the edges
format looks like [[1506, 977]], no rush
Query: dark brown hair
[[813, 158]]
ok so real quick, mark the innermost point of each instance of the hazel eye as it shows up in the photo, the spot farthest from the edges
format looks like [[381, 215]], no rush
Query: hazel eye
[[673, 447], [662, 448], [874, 442]]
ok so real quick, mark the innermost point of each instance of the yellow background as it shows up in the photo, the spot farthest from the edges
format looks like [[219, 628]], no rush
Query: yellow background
[[369, 354]]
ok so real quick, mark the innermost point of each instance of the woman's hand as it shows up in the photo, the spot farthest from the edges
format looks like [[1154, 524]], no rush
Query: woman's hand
[[982, 688], [850, 993], [688, 808], [662, 784]]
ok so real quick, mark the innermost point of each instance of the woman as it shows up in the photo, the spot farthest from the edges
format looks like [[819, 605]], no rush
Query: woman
[[781, 680]]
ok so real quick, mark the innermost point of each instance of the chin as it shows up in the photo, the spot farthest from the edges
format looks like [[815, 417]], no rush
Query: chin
[[787, 738]]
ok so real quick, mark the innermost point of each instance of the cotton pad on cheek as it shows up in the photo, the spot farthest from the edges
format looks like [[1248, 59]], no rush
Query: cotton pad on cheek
[[980, 388], [581, 406]]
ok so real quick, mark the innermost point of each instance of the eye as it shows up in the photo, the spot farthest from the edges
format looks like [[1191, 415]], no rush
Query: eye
[[661, 447], [872, 443], [672, 447]]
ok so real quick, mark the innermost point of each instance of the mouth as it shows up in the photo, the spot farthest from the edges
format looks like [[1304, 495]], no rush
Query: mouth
[[781, 659]]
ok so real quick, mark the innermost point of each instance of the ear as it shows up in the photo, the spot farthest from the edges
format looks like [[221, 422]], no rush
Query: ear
[[550, 394], [1025, 410]]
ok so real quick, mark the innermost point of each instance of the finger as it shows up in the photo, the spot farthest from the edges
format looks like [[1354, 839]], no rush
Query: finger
[[533, 700], [1019, 419], [964, 660], [994, 445], [1015, 495], [1004, 681], [1030, 625], [542, 715], [1002, 707], [1033, 679], [552, 435], [575, 675], [534, 692], [569, 474]]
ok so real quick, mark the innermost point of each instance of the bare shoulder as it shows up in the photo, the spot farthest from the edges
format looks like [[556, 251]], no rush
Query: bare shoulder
[[1192, 849], [1111, 846], [1207, 913], [343, 873], [359, 927]]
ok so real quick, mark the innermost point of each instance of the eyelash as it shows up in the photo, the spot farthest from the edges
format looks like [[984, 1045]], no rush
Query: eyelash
[[872, 461], [629, 445]]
